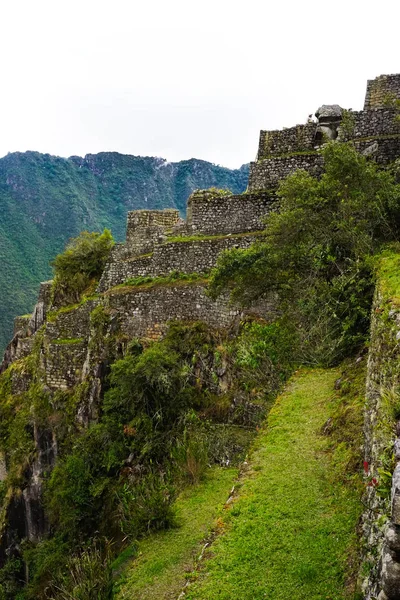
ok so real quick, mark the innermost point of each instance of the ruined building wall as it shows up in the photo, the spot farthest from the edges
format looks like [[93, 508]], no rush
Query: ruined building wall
[[381, 519], [300, 138], [266, 174], [147, 228], [375, 133], [381, 90], [192, 256], [211, 214]]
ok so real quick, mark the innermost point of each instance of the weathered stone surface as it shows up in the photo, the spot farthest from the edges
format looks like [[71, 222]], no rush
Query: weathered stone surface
[[300, 138], [392, 538], [208, 214], [390, 575], [380, 90], [147, 228], [266, 174], [371, 150], [329, 112], [185, 257]]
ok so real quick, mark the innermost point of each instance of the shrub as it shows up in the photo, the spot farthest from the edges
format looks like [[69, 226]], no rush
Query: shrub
[[315, 259], [88, 575], [77, 269], [146, 504]]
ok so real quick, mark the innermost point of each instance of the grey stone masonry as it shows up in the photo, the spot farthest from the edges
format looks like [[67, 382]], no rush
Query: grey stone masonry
[[191, 256], [381, 520], [144, 313], [63, 364], [382, 90], [211, 214], [267, 173], [370, 123], [146, 228], [294, 139]]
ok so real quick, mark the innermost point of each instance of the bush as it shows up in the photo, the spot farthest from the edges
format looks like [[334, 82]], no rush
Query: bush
[[146, 505], [88, 575], [316, 257], [77, 269]]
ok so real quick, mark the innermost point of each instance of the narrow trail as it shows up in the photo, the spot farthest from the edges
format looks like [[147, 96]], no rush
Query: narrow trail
[[288, 533], [165, 558]]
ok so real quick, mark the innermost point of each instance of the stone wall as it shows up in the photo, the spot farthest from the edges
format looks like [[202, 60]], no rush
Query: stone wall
[[71, 324], [209, 214], [63, 364], [380, 89], [146, 228], [294, 139], [266, 174], [370, 123], [144, 313], [381, 520], [191, 256], [382, 150]]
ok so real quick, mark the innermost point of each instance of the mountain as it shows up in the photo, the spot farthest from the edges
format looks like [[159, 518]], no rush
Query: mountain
[[44, 200]]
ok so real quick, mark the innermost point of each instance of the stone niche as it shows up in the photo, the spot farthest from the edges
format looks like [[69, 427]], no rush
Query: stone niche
[[329, 118]]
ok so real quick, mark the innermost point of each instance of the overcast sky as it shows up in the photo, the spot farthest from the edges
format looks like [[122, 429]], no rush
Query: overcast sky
[[182, 79]]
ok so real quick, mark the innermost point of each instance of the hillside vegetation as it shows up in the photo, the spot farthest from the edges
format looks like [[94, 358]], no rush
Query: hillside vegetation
[[196, 398], [290, 531], [45, 200]]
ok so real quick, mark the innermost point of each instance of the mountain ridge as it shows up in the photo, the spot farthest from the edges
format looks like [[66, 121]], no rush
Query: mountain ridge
[[46, 199]]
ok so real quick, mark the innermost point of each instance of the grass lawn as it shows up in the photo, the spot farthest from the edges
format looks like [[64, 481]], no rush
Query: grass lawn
[[289, 534], [159, 571]]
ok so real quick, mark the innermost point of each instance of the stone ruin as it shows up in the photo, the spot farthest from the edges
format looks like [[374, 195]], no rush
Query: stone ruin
[[161, 242]]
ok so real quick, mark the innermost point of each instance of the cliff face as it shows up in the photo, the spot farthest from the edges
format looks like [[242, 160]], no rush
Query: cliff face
[[54, 375], [45, 200]]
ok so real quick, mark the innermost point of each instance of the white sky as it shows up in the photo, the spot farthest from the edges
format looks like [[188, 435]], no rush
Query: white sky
[[182, 79]]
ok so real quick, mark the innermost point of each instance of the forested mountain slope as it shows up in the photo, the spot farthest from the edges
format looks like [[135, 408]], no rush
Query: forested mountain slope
[[44, 200]]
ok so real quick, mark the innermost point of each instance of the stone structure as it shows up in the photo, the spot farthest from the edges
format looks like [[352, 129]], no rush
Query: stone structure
[[68, 348], [146, 228], [375, 132], [381, 520], [381, 90], [329, 119]]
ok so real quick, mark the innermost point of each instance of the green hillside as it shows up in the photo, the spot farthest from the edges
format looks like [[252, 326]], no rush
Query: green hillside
[[44, 200]]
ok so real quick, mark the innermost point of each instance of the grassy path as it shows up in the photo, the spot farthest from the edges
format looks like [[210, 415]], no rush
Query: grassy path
[[288, 534], [160, 570]]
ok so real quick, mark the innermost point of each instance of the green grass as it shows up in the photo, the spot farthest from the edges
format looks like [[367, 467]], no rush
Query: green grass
[[292, 529], [159, 571], [65, 341], [289, 154], [388, 267], [205, 238], [174, 278]]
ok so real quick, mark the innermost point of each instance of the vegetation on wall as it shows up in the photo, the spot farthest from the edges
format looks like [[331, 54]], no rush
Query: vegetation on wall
[[79, 267], [317, 252], [169, 409], [173, 408]]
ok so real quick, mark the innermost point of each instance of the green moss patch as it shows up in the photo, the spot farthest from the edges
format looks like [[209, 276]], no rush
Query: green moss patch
[[206, 238], [66, 341], [145, 283]]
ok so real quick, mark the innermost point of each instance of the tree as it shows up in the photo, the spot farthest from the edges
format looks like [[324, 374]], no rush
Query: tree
[[317, 254]]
